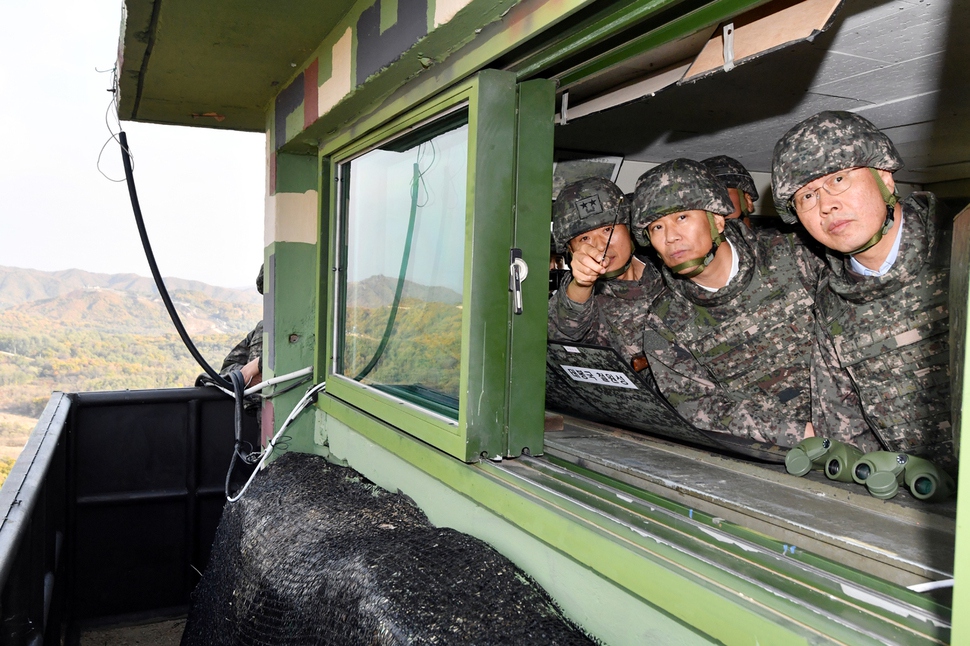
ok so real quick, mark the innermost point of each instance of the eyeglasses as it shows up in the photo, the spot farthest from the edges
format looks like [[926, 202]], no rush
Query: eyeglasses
[[835, 184]]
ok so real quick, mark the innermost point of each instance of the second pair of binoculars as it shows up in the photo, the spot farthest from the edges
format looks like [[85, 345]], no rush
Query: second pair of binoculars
[[882, 472]]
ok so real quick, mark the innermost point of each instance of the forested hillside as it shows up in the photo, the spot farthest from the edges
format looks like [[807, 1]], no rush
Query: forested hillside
[[75, 331], [103, 337]]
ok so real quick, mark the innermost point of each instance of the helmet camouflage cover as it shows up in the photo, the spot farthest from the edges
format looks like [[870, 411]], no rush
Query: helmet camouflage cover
[[824, 144], [674, 186], [732, 174], [586, 205]]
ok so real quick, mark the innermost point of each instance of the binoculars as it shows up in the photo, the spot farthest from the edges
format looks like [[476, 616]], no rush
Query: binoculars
[[836, 459], [880, 471], [883, 471]]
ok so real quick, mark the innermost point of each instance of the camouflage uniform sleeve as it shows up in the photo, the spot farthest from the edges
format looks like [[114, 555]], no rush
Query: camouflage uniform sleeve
[[811, 265], [703, 402], [245, 351], [836, 408], [255, 340], [572, 321]]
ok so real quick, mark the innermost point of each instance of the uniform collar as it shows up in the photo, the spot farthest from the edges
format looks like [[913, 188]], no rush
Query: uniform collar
[[735, 263], [744, 251], [918, 239], [862, 270]]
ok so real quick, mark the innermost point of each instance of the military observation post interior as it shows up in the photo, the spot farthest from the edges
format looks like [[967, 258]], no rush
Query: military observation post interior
[[636, 535], [896, 63]]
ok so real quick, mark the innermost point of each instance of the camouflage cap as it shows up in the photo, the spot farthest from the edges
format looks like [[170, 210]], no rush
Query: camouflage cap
[[586, 205], [732, 174], [823, 144], [675, 186]]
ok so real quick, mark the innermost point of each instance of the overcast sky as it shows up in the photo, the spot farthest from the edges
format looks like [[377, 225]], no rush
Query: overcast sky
[[201, 190]]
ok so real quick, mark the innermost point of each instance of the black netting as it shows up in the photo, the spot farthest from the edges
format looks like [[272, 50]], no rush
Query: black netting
[[316, 554]]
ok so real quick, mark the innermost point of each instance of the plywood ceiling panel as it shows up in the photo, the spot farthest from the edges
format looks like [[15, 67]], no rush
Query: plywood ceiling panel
[[900, 63]]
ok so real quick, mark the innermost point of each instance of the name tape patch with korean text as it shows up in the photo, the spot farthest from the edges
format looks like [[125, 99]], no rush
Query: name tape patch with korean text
[[600, 377]]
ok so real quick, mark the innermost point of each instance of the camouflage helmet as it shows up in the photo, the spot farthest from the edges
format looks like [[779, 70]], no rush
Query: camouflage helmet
[[674, 186], [586, 205], [732, 174], [824, 144], [259, 280]]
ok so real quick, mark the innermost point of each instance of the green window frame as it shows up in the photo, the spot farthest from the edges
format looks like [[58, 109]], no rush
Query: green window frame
[[499, 406]]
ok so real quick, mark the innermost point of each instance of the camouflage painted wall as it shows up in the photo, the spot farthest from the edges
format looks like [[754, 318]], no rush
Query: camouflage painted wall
[[374, 34], [414, 47], [370, 56]]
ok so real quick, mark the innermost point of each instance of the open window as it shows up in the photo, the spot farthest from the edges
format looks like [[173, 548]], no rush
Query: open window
[[664, 95], [422, 239]]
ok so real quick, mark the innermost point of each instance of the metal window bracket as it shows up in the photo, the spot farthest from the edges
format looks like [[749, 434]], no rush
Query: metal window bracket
[[728, 32]]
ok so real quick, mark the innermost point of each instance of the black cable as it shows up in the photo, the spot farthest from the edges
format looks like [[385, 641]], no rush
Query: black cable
[[162, 291], [238, 383], [238, 387]]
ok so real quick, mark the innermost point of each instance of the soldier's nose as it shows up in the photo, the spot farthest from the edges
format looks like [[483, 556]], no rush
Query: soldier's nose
[[827, 203]]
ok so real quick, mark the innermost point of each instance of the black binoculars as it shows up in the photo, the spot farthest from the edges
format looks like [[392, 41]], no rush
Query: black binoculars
[[834, 458], [883, 471]]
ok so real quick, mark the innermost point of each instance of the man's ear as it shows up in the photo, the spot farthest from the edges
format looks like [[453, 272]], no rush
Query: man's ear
[[719, 222], [749, 202], [887, 179]]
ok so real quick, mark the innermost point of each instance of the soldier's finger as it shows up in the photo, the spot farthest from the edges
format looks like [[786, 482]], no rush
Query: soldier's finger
[[589, 264]]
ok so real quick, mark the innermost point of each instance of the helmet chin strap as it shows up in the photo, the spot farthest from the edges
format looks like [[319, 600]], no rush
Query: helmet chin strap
[[610, 275], [743, 203], [700, 264], [890, 201]]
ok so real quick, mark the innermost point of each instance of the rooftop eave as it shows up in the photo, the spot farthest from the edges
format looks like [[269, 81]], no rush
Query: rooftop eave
[[215, 64]]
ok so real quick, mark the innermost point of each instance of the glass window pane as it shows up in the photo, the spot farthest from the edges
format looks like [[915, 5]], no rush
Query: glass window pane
[[400, 329]]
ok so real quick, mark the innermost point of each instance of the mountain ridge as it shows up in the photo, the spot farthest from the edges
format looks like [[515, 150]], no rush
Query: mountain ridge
[[115, 311], [378, 291], [21, 285]]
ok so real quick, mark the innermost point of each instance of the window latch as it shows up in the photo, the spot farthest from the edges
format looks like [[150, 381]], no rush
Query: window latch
[[518, 271]]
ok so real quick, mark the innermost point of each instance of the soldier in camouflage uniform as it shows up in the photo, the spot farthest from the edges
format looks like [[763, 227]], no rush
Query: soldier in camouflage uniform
[[882, 306], [607, 284], [247, 357], [248, 352], [739, 183], [729, 343]]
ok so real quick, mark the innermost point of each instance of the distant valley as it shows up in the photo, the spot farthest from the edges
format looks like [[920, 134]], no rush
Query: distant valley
[[78, 331]]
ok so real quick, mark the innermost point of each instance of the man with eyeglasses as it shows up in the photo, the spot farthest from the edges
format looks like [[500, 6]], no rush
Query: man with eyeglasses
[[882, 350], [607, 287]]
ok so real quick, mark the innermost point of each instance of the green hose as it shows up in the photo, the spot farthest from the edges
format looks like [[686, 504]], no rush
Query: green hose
[[400, 278]]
